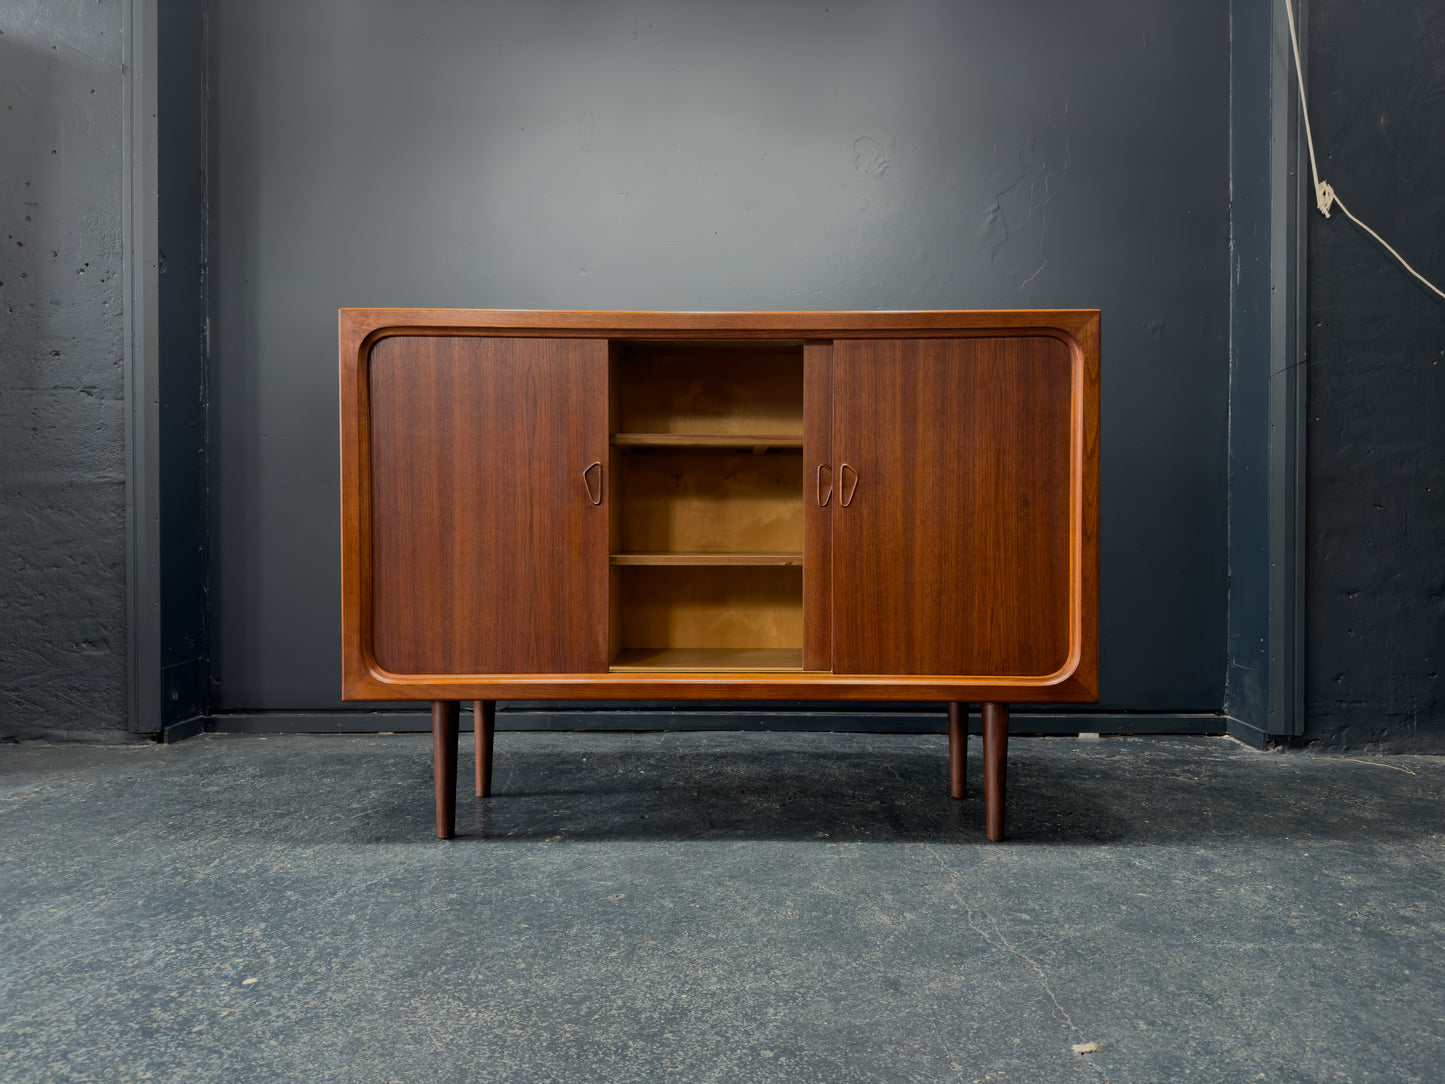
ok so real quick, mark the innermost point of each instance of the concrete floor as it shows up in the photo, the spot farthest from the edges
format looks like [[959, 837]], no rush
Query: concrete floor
[[718, 907]]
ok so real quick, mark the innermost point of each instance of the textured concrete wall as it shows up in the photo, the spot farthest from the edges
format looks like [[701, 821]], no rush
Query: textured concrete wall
[[1376, 591], [62, 429]]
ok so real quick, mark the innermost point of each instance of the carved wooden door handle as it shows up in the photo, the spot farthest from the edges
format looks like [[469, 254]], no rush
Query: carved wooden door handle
[[850, 484], [825, 484], [592, 478]]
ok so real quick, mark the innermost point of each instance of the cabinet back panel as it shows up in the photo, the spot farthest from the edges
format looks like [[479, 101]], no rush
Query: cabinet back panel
[[488, 556], [953, 556], [708, 502], [709, 388], [709, 607]]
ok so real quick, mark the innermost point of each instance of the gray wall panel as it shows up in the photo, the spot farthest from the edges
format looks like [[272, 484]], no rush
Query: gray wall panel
[[719, 156]]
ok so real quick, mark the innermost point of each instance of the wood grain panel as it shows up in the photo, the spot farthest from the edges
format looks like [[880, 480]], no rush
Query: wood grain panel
[[740, 685], [693, 327], [488, 557], [954, 554]]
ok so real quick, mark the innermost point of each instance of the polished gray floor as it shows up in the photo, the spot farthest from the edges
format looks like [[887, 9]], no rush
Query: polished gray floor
[[718, 907]]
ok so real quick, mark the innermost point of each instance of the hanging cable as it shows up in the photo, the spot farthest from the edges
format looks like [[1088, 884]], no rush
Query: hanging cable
[[1325, 197]]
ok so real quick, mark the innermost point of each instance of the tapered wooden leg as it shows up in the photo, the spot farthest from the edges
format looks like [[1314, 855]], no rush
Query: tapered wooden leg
[[444, 764], [485, 714], [957, 748], [995, 758]]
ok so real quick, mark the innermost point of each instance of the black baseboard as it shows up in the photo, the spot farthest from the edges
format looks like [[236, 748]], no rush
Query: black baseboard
[[662, 719], [186, 728], [1250, 735], [184, 691]]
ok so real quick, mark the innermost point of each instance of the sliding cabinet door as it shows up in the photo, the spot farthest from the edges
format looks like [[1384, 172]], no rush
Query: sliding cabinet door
[[489, 505], [952, 517]]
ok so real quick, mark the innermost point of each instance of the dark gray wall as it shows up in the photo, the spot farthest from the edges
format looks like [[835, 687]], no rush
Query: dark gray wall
[[62, 408], [1376, 599], [638, 155], [1246, 692], [183, 372]]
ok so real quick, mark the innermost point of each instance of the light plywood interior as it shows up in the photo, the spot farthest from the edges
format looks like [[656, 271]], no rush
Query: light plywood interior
[[707, 535], [715, 660], [707, 559], [755, 442], [712, 607], [709, 388], [712, 502]]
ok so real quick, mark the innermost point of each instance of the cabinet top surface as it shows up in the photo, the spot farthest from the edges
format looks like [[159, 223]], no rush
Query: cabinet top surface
[[787, 324]]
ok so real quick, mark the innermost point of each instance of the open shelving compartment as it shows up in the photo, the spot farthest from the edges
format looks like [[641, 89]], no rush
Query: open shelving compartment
[[707, 511]]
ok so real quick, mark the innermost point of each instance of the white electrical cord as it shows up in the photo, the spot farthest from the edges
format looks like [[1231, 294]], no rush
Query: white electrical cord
[[1325, 196]]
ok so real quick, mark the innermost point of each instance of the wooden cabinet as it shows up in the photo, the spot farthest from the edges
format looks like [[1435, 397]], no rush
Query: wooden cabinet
[[662, 506]]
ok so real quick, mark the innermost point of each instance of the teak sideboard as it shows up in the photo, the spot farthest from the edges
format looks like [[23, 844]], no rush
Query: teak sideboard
[[682, 506]]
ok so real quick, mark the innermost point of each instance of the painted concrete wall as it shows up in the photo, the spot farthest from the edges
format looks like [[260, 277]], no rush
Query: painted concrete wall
[[1376, 597], [62, 427], [641, 154]]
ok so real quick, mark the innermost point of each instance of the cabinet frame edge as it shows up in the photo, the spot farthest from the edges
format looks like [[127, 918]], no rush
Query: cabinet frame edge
[[363, 679]]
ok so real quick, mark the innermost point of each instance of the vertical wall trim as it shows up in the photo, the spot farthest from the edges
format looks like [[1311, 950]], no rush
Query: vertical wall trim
[[1246, 641], [141, 366], [1265, 646], [1287, 391]]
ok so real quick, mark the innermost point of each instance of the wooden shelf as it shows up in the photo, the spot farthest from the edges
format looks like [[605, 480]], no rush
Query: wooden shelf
[[756, 442], [707, 659], [698, 559]]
